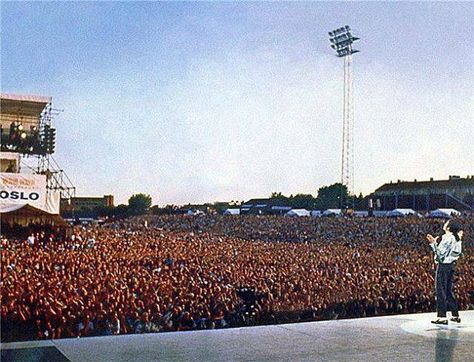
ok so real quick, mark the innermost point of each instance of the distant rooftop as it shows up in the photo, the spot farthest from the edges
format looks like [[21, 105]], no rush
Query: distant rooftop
[[263, 202], [453, 181]]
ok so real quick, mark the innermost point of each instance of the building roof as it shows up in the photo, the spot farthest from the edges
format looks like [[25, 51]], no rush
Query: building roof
[[88, 198], [332, 212], [262, 203], [232, 212], [415, 185], [22, 107], [298, 212], [444, 212], [281, 208], [28, 211], [401, 212]]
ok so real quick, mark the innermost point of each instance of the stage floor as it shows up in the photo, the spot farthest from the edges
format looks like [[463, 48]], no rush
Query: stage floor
[[409, 337]]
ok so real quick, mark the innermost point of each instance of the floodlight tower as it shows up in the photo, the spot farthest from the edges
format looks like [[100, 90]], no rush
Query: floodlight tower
[[341, 41]]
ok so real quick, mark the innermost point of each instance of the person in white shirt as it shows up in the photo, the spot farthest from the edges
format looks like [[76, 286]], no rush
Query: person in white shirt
[[31, 240], [90, 242], [446, 252]]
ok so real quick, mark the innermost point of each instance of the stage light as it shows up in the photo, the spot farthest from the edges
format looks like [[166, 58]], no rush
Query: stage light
[[20, 127], [23, 135]]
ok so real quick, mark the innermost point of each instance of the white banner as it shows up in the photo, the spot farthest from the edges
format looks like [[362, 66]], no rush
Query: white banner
[[23, 189], [52, 202]]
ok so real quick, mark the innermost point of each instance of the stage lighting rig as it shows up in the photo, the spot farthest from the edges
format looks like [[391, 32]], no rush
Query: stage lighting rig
[[49, 139]]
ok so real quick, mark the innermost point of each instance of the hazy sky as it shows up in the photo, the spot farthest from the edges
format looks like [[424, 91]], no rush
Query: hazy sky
[[194, 102]]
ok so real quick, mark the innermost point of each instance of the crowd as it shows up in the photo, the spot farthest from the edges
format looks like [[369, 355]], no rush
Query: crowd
[[177, 273], [305, 229]]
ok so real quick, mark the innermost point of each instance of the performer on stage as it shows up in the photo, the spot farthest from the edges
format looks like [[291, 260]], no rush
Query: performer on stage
[[446, 253]]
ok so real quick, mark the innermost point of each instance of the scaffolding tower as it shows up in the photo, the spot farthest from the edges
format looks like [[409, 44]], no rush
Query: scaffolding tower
[[26, 129]]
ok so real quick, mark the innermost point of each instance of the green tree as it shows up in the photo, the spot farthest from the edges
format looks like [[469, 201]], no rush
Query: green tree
[[220, 207], [156, 210], [360, 203], [121, 211], [279, 197], [139, 204], [303, 201], [329, 197]]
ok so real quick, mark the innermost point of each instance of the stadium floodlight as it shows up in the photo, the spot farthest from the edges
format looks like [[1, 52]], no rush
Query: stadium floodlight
[[341, 41]]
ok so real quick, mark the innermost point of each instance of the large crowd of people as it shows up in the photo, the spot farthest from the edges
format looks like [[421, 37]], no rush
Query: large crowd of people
[[178, 273]]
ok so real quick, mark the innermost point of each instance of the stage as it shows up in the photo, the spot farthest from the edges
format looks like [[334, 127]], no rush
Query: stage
[[409, 337]]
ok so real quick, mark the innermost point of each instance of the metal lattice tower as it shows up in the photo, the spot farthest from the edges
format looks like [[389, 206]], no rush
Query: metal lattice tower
[[342, 40]]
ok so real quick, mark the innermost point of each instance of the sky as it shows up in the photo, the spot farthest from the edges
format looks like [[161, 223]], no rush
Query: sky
[[218, 101]]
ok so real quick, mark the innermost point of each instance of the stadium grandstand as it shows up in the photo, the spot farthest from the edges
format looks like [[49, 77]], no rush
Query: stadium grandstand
[[455, 192]]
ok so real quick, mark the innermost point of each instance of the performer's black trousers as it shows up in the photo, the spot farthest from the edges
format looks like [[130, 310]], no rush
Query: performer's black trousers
[[445, 299]]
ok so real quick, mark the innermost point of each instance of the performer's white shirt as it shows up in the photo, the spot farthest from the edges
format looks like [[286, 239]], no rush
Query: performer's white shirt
[[448, 250]]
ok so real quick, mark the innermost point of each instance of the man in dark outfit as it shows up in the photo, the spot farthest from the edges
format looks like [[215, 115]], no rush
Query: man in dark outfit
[[446, 253]]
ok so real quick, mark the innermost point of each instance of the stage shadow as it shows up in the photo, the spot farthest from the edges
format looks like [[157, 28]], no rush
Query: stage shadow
[[446, 340]]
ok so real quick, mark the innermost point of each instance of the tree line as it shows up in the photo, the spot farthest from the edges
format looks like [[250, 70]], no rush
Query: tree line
[[328, 197]]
